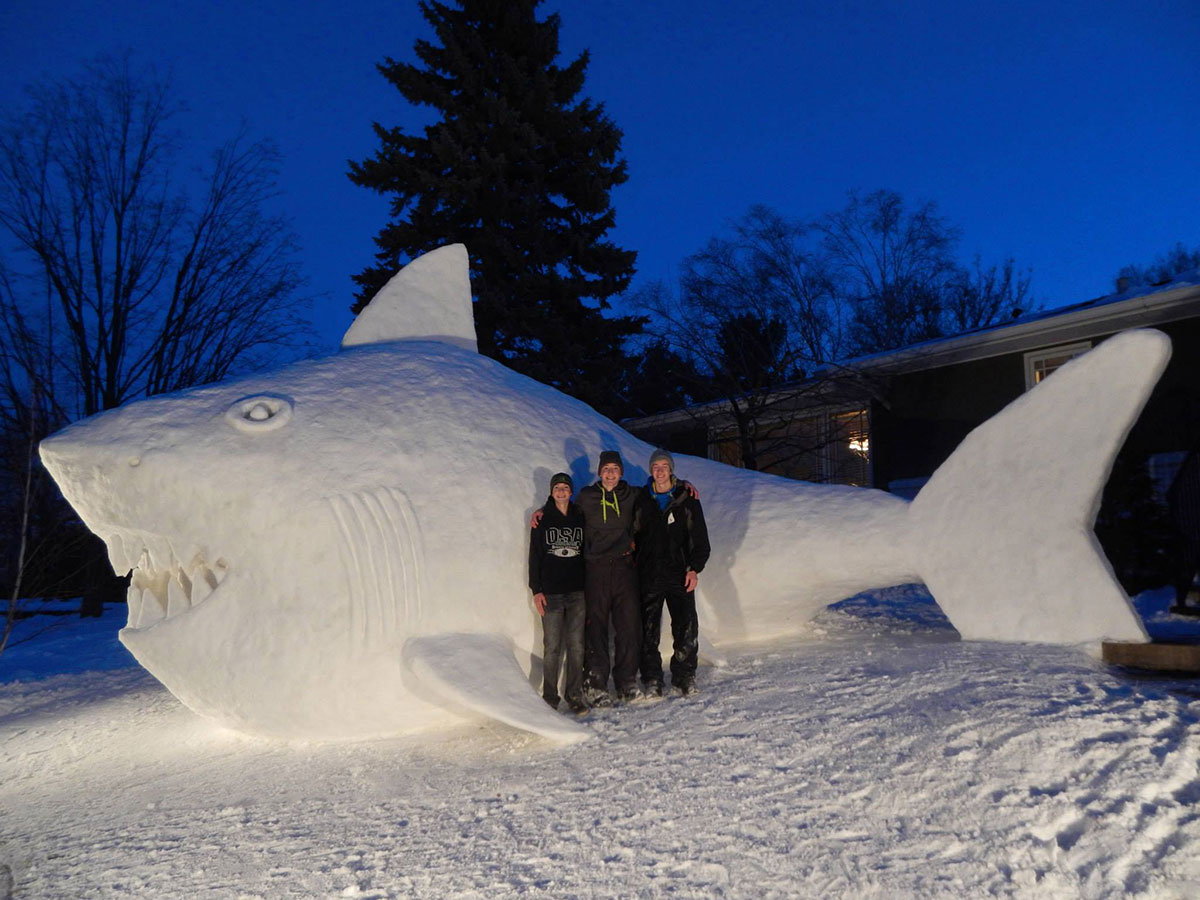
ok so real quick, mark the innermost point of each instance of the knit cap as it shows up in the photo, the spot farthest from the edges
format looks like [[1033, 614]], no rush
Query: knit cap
[[610, 456], [562, 478], [662, 454]]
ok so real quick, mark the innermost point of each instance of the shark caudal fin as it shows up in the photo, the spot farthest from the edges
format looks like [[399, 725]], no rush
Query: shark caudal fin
[[1003, 529]]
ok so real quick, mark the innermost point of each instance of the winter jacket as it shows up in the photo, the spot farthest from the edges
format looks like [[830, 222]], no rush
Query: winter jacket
[[609, 516], [556, 551], [669, 541]]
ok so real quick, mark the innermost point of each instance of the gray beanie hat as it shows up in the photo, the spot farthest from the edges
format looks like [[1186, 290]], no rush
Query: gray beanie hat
[[610, 456], [662, 454]]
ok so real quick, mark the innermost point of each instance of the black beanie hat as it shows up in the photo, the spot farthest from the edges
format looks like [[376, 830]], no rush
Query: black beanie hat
[[562, 478], [610, 456]]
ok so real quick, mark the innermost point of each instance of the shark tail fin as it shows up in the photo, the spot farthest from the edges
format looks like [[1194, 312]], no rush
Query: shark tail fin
[[1003, 529]]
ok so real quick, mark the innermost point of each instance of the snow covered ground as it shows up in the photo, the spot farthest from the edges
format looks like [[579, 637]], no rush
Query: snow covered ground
[[877, 756]]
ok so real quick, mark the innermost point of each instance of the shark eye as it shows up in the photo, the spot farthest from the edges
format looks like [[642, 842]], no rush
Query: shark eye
[[259, 413]]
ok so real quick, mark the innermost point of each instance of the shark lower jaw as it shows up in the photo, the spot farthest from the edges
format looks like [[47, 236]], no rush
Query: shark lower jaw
[[161, 588]]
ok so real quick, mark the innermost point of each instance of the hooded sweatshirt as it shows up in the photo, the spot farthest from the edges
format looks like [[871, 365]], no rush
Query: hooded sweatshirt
[[556, 551], [609, 516]]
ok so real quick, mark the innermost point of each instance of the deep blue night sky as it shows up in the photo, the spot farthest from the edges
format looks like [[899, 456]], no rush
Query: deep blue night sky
[[1064, 134]]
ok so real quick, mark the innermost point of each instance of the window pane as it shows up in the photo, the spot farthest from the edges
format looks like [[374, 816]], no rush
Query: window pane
[[849, 448]]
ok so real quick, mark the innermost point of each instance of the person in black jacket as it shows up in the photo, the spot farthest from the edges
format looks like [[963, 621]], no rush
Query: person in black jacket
[[672, 548], [556, 577]]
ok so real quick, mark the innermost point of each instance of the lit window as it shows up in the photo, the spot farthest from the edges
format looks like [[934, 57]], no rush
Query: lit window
[[830, 447], [1041, 364]]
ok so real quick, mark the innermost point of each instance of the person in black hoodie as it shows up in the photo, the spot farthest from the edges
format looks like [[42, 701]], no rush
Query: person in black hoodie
[[556, 579], [672, 548], [611, 581]]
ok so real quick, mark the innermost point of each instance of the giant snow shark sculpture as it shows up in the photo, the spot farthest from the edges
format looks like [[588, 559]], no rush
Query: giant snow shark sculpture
[[337, 549]]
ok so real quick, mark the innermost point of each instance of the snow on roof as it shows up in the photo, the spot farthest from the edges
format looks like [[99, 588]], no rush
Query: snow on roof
[[1139, 306]]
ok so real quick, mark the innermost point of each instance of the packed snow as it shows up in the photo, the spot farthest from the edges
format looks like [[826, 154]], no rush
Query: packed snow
[[319, 550], [875, 756]]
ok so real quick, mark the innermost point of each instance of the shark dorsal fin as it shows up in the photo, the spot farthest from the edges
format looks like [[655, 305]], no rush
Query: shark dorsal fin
[[428, 299]]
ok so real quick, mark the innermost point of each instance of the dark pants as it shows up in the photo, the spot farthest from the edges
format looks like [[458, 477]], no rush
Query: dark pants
[[611, 588], [562, 627], [685, 631]]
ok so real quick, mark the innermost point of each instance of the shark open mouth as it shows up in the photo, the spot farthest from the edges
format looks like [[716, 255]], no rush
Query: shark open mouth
[[161, 587]]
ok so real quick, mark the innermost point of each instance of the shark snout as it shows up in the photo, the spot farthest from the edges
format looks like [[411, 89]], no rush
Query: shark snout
[[94, 477]]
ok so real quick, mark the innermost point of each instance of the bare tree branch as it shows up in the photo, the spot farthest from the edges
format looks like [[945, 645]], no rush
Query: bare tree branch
[[122, 274]]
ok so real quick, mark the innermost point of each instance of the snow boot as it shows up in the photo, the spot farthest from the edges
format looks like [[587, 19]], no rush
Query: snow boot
[[577, 706], [597, 698]]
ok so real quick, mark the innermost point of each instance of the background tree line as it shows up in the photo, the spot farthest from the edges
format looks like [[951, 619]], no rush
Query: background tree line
[[771, 300]]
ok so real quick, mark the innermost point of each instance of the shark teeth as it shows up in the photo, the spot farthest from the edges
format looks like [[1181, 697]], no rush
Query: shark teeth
[[160, 587], [121, 563]]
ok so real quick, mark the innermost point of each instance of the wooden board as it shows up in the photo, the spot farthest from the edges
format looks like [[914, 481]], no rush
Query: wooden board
[[1162, 657]]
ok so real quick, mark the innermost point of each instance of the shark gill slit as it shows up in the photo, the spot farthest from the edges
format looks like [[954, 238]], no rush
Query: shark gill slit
[[352, 566], [377, 592], [414, 561], [383, 526], [381, 557]]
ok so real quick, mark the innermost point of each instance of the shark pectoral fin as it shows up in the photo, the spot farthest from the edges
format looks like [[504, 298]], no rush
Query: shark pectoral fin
[[479, 672]]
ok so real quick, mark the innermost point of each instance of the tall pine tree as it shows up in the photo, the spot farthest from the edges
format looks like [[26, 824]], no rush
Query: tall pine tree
[[518, 169]]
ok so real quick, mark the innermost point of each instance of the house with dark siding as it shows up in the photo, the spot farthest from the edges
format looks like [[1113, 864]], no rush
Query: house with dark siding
[[889, 420]]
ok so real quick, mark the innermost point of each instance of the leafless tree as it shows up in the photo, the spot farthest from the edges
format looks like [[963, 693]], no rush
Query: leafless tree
[[771, 301], [893, 267], [125, 271], [1176, 261], [983, 296], [754, 313], [152, 289]]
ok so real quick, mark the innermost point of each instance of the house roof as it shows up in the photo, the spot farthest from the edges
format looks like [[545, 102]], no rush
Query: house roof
[[1143, 306]]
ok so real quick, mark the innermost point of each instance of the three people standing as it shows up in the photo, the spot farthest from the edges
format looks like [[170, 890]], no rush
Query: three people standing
[[642, 548]]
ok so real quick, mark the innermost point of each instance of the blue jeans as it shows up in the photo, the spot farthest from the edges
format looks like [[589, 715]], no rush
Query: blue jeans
[[562, 627]]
